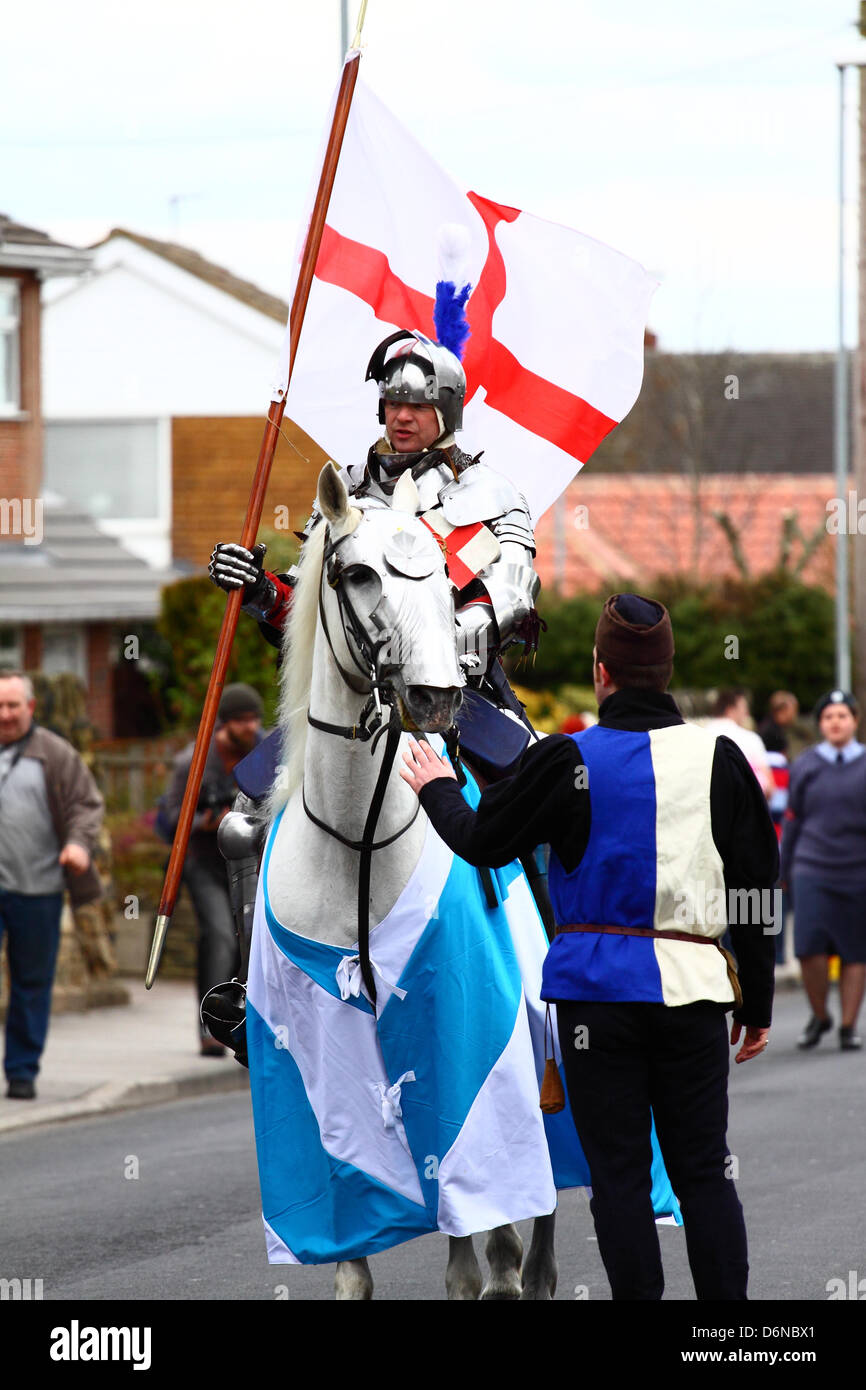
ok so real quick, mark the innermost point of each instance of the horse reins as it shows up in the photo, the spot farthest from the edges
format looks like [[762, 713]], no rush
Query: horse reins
[[369, 728]]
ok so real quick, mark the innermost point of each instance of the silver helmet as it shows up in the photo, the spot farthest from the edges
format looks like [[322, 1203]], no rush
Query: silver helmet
[[409, 367]]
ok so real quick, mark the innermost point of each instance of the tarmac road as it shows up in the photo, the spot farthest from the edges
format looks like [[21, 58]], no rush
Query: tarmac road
[[162, 1202]]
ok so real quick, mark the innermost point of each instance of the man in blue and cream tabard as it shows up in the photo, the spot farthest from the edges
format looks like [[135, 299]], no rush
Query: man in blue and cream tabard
[[652, 825]]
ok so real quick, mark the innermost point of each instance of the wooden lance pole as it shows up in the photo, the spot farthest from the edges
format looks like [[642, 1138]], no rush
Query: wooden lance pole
[[171, 886]]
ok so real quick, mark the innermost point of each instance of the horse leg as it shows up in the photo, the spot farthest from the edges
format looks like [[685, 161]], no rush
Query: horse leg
[[353, 1280], [504, 1251], [462, 1277], [540, 1271]]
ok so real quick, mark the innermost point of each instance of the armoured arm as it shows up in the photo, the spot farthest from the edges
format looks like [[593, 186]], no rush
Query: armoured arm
[[497, 617], [267, 596]]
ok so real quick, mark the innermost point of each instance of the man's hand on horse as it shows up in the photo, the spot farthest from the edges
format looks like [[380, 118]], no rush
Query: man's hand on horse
[[423, 765]]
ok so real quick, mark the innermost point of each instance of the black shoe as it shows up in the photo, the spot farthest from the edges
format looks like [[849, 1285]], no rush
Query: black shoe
[[849, 1041], [814, 1031], [20, 1088]]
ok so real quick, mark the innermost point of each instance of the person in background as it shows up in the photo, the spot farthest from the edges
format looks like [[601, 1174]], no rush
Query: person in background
[[731, 717], [824, 867], [238, 731], [782, 710], [50, 818]]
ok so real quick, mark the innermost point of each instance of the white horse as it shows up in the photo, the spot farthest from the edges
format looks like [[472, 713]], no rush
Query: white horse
[[373, 604]]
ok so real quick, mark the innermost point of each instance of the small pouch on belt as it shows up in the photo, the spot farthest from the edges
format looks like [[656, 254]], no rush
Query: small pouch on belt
[[733, 977], [552, 1098]]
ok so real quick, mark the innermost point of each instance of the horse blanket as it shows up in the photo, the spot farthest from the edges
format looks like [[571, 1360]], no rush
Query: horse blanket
[[374, 1126]]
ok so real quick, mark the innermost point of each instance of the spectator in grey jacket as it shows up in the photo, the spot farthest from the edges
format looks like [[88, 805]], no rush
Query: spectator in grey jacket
[[824, 866], [50, 817]]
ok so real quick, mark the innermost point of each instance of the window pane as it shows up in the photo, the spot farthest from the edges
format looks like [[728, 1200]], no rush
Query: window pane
[[63, 650], [8, 298], [10, 647], [107, 468], [8, 368]]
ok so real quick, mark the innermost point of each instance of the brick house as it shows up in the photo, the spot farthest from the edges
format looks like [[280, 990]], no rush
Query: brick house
[[613, 529], [27, 258], [747, 437], [66, 588], [157, 371]]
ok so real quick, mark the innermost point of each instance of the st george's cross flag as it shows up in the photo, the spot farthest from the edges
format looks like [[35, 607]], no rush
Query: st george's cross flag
[[555, 357]]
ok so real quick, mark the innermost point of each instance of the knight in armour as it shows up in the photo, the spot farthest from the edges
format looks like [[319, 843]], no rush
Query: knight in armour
[[422, 386]]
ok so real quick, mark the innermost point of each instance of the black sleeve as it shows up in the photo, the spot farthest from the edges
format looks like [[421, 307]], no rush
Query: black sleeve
[[745, 837], [546, 801]]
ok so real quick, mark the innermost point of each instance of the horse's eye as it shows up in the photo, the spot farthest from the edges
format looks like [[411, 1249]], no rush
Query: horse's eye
[[365, 586]]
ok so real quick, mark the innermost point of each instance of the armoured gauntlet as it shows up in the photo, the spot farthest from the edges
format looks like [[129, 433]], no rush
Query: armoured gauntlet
[[234, 567]]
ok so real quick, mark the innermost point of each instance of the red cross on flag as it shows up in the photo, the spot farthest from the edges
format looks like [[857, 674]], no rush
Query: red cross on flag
[[555, 359]]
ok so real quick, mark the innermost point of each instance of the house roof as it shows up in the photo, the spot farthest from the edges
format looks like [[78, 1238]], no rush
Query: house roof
[[727, 412], [212, 274], [608, 528], [26, 248], [77, 573]]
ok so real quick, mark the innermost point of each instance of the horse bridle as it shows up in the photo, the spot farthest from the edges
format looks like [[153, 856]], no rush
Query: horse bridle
[[369, 728]]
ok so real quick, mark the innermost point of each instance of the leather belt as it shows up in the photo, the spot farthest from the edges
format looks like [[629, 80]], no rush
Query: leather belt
[[730, 963], [637, 931]]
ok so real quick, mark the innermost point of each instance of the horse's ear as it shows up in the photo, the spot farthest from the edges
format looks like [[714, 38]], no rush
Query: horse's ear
[[333, 498], [406, 497]]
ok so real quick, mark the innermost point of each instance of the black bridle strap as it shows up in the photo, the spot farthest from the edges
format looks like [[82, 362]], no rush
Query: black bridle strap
[[366, 846], [348, 677], [392, 742], [350, 731], [356, 845]]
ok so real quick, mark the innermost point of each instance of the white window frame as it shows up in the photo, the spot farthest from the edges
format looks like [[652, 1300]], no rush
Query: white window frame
[[78, 642], [10, 329], [147, 537]]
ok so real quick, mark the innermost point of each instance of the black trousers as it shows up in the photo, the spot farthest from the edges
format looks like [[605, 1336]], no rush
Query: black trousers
[[626, 1060], [218, 949]]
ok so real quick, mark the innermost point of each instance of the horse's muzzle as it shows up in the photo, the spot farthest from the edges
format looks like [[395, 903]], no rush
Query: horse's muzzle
[[430, 709]]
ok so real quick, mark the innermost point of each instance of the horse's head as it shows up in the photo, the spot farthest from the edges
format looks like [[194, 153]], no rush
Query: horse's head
[[387, 604]]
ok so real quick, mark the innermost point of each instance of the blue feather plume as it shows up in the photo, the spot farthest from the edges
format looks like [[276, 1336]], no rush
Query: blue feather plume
[[449, 316]]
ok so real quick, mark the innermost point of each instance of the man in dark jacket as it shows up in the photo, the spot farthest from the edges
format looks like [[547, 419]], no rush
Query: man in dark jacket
[[237, 733], [660, 838], [50, 817]]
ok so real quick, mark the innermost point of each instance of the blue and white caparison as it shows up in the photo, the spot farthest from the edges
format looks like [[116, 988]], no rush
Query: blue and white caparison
[[376, 1126]]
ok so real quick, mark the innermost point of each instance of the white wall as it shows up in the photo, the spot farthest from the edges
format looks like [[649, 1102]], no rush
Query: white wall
[[139, 337]]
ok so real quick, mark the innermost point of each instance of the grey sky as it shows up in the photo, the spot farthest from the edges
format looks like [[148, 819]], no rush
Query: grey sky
[[698, 138]]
